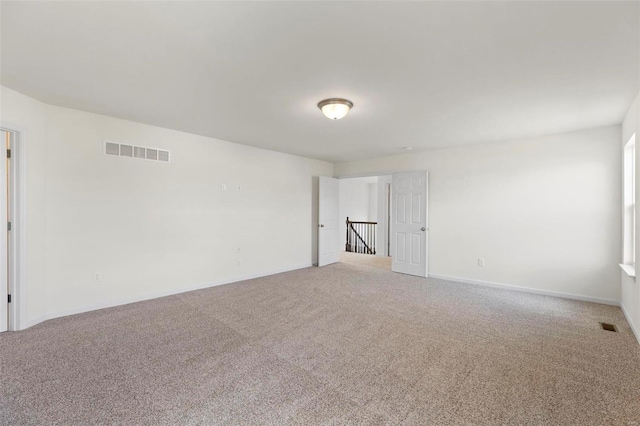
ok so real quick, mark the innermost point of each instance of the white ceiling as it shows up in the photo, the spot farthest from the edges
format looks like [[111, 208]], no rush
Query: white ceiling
[[421, 74]]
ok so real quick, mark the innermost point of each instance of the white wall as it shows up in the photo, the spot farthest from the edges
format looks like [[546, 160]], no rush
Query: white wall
[[544, 213], [354, 203], [373, 201], [630, 289], [151, 228]]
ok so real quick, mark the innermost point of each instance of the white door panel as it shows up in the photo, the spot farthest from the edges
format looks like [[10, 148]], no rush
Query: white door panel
[[409, 225], [328, 217]]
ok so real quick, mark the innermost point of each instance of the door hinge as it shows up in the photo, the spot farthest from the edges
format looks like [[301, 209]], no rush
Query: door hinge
[[9, 299], [8, 153], [8, 226]]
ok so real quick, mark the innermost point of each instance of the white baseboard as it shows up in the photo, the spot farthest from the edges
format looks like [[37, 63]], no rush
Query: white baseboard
[[150, 296], [633, 328], [34, 321], [528, 290]]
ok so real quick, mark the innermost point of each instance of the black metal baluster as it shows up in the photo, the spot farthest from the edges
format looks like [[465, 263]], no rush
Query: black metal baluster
[[346, 243], [374, 239]]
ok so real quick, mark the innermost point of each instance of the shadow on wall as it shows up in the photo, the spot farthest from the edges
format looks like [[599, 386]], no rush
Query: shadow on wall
[[315, 185]]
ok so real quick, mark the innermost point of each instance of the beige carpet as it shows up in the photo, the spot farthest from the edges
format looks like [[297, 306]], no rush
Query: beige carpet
[[378, 262], [333, 345]]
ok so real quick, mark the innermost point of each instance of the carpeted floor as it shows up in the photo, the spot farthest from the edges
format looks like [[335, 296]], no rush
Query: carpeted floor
[[333, 345], [377, 262]]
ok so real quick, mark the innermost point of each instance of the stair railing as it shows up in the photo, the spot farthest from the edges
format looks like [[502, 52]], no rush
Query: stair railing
[[361, 237]]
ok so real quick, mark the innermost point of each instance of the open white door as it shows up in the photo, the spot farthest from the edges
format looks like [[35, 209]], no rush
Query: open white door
[[4, 260], [409, 225], [328, 216]]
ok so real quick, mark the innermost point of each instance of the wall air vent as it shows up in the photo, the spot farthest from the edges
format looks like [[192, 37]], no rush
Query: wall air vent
[[139, 152], [111, 148], [152, 154], [143, 153], [126, 151]]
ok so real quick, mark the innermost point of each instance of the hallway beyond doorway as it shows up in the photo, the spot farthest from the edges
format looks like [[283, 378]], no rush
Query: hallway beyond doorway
[[376, 262]]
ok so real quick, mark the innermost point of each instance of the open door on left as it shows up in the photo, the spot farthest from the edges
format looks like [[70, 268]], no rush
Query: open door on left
[[328, 216]]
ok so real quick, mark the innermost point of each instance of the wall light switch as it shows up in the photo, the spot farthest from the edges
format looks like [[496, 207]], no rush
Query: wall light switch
[[223, 187], [481, 261]]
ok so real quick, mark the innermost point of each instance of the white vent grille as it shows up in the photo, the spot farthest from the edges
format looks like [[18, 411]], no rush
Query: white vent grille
[[126, 151], [141, 152], [111, 148], [152, 154]]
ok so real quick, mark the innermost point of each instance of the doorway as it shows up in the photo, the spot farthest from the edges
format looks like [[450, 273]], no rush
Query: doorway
[[9, 224], [364, 211], [382, 222], [5, 221]]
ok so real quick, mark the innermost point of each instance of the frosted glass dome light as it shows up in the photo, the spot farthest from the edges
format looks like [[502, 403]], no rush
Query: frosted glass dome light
[[335, 108]]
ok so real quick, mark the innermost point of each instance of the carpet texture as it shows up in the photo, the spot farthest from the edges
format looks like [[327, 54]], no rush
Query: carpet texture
[[377, 262], [334, 345]]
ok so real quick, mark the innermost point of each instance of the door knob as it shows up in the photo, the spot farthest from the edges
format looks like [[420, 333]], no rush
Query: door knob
[[321, 226], [423, 228]]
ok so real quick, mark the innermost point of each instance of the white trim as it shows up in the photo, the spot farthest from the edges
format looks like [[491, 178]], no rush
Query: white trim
[[5, 237], [35, 321], [633, 328], [384, 210], [629, 270], [150, 296], [18, 284], [527, 290]]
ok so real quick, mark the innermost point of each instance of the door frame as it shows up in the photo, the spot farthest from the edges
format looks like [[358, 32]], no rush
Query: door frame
[[389, 244], [322, 228], [384, 211], [387, 217], [17, 237]]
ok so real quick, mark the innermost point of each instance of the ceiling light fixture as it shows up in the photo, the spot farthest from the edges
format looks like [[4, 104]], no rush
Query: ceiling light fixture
[[335, 108]]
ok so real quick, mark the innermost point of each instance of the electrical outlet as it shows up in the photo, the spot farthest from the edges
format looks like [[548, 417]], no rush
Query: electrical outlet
[[238, 188], [481, 261], [97, 276]]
